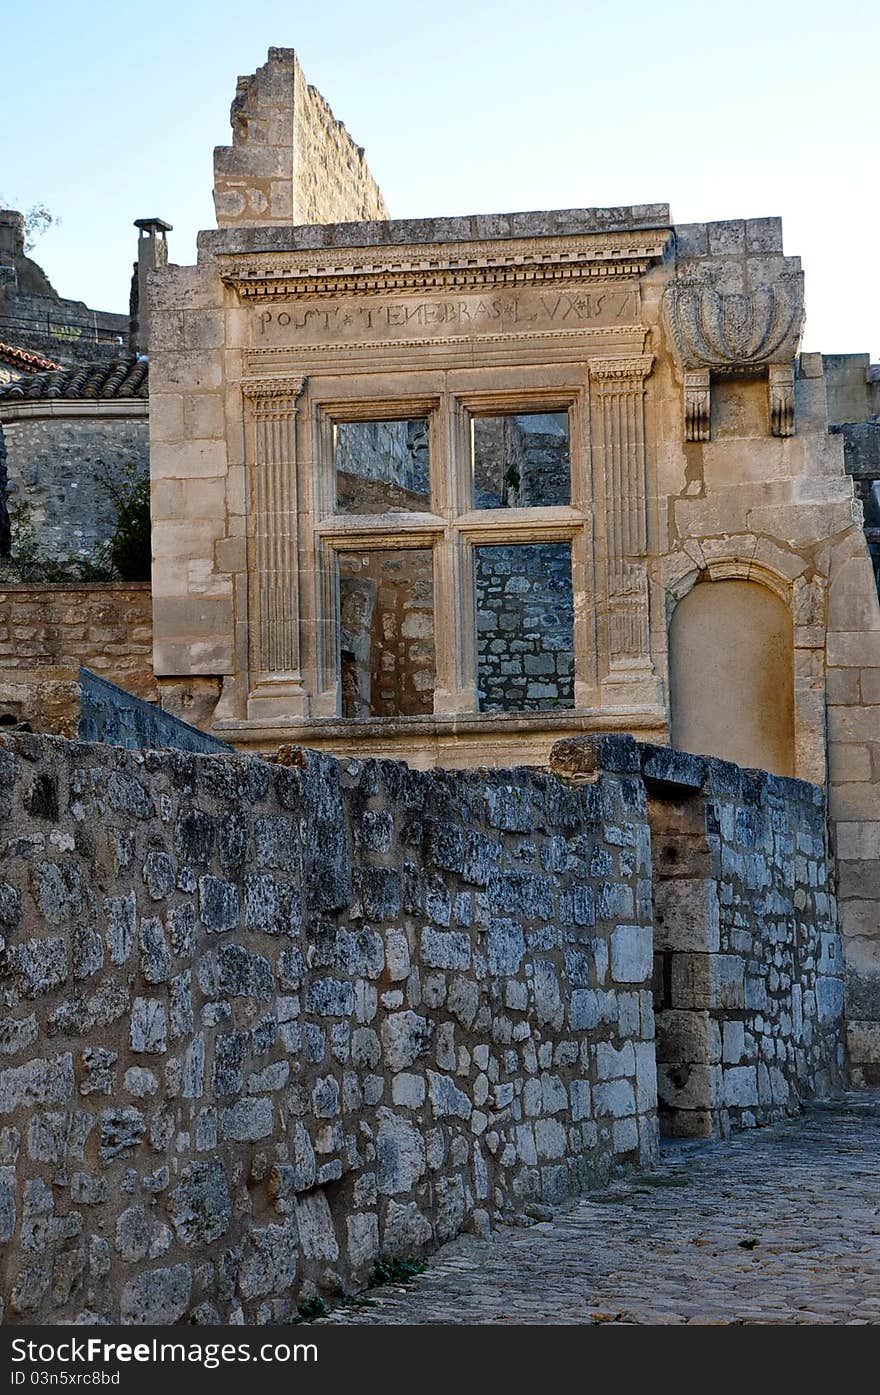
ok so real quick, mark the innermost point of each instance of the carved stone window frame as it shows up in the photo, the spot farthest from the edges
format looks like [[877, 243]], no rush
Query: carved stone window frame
[[452, 529]]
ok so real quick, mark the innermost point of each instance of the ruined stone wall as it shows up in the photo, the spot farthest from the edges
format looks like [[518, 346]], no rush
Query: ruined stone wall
[[748, 958], [33, 315], [386, 610], [61, 471], [525, 608], [291, 161], [47, 632], [393, 454], [263, 1023]]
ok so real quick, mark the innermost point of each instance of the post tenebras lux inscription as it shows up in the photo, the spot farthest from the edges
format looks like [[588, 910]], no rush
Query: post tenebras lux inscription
[[311, 321]]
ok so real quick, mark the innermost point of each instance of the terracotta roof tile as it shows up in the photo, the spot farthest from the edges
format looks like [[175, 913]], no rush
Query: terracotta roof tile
[[123, 378], [26, 360]]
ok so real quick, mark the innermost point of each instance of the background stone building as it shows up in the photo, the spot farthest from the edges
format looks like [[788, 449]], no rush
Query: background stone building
[[71, 436], [35, 317]]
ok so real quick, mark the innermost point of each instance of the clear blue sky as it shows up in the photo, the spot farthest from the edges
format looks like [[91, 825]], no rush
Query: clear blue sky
[[110, 112]]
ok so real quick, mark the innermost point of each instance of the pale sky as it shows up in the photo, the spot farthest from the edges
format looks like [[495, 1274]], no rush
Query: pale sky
[[110, 112]]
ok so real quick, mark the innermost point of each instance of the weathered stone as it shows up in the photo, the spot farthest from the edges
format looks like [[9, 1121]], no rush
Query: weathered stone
[[247, 1120], [99, 1073], [139, 1235], [17, 1033], [269, 1262], [157, 1297], [39, 1082], [40, 965], [148, 1026], [405, 1039], [400, 1150], [315, 1225], [200, 1206], [218, 904]]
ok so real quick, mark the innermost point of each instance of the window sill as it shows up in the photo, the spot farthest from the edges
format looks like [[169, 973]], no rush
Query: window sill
[[486, 737]]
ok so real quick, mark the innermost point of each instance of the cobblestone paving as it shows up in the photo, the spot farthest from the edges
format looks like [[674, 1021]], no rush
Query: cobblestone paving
[[778, 1226]]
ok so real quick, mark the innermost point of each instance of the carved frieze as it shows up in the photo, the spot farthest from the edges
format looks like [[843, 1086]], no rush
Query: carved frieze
[[269, 387]]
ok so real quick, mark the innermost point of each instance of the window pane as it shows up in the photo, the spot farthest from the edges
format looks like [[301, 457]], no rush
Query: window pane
[[386, 646], [521, 461], [525, 627], [381, 466]]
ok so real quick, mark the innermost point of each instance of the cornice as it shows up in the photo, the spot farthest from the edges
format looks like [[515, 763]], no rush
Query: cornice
[[447, 266]]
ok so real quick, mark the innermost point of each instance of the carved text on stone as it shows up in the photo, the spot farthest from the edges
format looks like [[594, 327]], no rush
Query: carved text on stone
[[357, 319]]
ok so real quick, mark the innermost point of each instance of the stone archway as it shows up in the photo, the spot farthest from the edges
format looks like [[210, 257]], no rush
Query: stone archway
[[731, 675]]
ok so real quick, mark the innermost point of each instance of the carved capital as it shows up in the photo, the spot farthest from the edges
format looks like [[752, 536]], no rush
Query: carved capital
[[272, 388], [781, 399], [720, 330], [696, 405], [621, 373]]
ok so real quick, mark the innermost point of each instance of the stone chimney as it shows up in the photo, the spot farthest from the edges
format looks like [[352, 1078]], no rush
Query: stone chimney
[[152, 253]]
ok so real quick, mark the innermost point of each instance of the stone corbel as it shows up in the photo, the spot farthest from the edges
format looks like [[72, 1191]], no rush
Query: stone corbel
[[781, 388], [276, 683], [697, 403]]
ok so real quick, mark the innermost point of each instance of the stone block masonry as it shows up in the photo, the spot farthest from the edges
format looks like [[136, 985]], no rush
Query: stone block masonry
[[748, 957], [265, 1023], [47, 632]]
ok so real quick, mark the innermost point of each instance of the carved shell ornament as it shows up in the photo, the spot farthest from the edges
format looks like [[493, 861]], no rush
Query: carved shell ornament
[[716, 329]]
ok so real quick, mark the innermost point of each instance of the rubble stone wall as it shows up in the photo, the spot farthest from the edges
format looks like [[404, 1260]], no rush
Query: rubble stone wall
[[266, 1023], [62, 472], [262, 1023]]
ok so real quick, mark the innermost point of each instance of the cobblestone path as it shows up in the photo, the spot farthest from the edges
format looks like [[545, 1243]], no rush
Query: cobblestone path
[[780, 1226]]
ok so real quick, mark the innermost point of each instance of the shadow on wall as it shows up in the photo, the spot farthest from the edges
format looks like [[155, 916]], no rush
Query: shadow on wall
[[731, 674]]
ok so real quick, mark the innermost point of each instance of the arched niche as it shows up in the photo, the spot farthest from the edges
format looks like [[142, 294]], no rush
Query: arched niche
[[731, 675]]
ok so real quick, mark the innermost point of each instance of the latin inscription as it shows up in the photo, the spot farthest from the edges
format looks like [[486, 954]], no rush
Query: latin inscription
[[357, 320]]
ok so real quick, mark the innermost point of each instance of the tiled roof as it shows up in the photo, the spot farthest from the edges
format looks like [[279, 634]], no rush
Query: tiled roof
[[123, 378], [25, 360]]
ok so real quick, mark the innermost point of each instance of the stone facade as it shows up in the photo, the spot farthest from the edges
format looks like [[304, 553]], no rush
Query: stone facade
[[700, 462], [265, 1023], [48, 632]]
